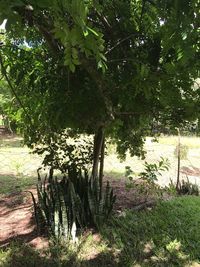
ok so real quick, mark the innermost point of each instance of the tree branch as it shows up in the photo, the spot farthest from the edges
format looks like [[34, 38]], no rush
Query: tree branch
[[49, 38], [121, 41]]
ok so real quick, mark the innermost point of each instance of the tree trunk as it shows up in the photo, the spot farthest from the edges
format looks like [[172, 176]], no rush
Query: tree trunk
[[98, 140], [101, 168]]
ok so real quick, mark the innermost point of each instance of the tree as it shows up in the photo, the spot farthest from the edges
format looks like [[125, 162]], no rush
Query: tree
[[111, 68]]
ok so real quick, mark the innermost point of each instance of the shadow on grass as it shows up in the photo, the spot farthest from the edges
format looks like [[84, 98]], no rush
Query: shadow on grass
[[21, 255], [168, 235], [11, 184]]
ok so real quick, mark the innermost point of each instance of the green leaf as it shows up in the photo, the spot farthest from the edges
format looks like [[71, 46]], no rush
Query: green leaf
[[72, 67], [92, 31]]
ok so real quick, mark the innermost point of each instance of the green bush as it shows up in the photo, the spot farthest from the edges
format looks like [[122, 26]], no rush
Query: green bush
[[64, 149]]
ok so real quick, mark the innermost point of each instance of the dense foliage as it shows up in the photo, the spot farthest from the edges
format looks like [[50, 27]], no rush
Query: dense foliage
[[127, 66]]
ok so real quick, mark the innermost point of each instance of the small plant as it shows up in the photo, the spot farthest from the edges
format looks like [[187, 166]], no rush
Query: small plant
[[146, 181], [18, 168], [188, 188], [153, 170], [129, 173]]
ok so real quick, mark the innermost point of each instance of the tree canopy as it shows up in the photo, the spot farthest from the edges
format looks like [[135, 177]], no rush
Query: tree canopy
[[124, 66]]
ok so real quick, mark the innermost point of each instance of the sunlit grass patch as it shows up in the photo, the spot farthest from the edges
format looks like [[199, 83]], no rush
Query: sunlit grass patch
[[190, 141], [11, 141]]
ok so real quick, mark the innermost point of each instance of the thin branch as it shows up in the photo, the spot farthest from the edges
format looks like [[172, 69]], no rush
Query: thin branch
[[104, 21], [121, 41], [126, 59]]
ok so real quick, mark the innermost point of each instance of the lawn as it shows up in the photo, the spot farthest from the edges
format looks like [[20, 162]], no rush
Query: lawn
[[190, 141], [18, 167]]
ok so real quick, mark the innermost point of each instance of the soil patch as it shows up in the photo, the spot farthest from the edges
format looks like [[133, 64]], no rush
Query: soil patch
[[17, 221]]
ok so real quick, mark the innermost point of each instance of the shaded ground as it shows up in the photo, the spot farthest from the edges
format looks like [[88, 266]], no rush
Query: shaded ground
[[17, 218], [156, 237], [17, 221]]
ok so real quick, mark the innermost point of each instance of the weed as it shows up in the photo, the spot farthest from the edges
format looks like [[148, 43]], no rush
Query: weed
[[146, 181], [188, 188]]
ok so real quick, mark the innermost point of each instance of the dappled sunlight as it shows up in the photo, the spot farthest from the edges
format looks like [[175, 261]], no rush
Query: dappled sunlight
[[163, 236], [157, 237]]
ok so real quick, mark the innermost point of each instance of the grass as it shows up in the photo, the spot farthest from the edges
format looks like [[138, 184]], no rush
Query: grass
[[10, 184], [168, 235], [17, 164], [11, 141], [189, 141]]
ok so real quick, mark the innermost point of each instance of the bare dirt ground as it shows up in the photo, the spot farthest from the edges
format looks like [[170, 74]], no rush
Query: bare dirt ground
[[17, 221]]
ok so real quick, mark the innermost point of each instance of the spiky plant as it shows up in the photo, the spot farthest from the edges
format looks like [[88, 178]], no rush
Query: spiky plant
[[73, 202]]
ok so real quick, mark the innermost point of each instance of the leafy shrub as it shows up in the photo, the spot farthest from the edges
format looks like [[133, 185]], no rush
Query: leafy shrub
[[61, 151], [153, 170], [183, 151], [74, 202]]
